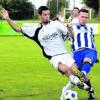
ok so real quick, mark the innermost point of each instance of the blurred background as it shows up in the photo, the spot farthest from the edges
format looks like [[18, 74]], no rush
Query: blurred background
[[27, 9], [24, 12]]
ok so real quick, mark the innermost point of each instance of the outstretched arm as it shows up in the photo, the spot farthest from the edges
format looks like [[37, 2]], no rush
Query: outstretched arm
[[5, 15]]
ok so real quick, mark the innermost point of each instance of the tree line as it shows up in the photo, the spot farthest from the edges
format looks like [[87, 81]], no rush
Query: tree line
[[23, 9], [18, 9]]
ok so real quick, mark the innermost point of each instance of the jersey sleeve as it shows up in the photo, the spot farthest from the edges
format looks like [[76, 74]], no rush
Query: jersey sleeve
[[29, 30], [61, 28]]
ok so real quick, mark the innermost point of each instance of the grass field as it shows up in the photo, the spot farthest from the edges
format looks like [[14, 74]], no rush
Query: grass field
[[26, 75]]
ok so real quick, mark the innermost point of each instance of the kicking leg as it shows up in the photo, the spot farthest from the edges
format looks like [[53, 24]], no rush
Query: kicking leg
[[75, 80], [78, 73], [85, 70], [64, 69]]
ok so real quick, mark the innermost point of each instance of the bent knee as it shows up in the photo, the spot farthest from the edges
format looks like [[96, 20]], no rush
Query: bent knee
[[87, 60]]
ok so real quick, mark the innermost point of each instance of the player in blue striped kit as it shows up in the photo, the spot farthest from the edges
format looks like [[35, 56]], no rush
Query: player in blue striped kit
[[83, 46]]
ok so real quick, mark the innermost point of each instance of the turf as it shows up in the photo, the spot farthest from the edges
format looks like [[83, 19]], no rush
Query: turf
[[26, 75]]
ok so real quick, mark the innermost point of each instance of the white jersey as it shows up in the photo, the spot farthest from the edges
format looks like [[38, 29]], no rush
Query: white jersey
[[48, 37], [73, 20], [83, 37]]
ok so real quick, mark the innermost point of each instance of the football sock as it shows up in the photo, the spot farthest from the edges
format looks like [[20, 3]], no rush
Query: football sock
[[75, 80], [88, 83], [86, 67]]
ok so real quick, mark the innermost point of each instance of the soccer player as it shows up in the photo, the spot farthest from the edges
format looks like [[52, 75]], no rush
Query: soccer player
[[48, 35], [74, 17], [83, 47]]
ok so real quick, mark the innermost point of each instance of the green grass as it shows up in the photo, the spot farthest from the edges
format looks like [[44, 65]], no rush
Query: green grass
[[26, 75]]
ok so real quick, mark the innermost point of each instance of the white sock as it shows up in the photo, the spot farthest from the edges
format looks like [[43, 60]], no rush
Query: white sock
[[75, 80], [84, 72]]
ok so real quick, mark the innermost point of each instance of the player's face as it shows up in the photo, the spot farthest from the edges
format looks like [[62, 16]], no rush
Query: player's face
[[83, 18], [75, 12], [45, 16]]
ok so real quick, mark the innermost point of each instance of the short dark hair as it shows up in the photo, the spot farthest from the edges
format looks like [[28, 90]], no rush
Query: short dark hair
[[83, 10], [42, 8], [76, 8]]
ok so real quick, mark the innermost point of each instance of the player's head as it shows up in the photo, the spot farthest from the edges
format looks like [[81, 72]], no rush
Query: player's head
[[83, 16], [44, 14], [75, 11]]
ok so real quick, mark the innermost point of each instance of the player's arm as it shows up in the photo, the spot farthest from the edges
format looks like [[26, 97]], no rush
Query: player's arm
[[5, 15]]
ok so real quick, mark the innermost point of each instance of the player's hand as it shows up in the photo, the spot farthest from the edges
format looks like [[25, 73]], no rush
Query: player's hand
[[4, 14], [70, 29], [69, 25]]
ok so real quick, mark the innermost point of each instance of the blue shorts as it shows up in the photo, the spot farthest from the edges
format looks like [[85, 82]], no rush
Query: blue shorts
[[86, 53]]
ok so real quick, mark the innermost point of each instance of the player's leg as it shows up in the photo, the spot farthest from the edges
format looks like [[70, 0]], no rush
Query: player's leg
[[90, 57], [69, 63], [77, 72], [59, 62], [64, 69], [89, 60], [91, 90], [76, 67], [63, 63], [86, 67], [73, 80], [85, 70]]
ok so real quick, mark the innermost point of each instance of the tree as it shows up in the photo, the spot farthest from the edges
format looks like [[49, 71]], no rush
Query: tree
[[56, 6], [99, 9], [93, 4], [19, 9]]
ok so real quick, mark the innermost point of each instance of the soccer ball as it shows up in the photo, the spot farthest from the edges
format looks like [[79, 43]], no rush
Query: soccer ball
[[70, 95]]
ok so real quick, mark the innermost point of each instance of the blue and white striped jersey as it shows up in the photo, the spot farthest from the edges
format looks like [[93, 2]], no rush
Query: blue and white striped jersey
[[83, 37]]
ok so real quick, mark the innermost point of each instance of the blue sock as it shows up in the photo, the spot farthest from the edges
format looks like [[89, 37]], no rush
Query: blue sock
[[86, 67]]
